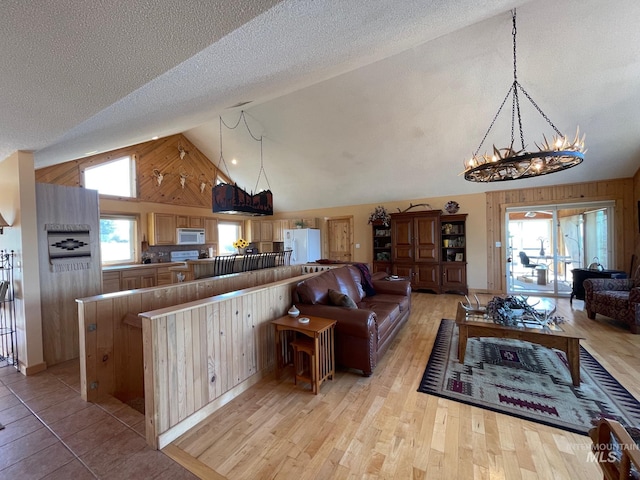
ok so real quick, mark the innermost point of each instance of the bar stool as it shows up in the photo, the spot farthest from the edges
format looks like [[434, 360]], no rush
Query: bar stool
[[301, 347]]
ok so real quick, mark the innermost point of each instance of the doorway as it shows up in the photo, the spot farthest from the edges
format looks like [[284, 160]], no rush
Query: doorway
[[545, 243], [340, 238]]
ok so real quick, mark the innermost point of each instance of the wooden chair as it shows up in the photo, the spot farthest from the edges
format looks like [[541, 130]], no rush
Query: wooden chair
[[617, 453]]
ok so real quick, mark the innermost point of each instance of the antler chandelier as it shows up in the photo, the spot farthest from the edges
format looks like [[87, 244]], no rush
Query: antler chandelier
[[509, 164]]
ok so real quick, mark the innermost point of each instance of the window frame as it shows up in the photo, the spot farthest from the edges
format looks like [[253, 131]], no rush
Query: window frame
[[133, 186], [239, 224], [135, 247]]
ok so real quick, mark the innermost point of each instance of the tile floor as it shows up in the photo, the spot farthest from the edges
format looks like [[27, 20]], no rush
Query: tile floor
[[50, 432]]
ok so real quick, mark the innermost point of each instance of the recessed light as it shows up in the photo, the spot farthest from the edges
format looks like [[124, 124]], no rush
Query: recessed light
[[234, 161]]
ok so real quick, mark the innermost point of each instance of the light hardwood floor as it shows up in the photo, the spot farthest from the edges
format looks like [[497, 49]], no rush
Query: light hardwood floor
[[381, 427]]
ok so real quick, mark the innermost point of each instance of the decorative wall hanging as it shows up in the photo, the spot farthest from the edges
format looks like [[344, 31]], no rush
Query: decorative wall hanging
[[69, 247], [232, 199], [511, 164], [159, 176]]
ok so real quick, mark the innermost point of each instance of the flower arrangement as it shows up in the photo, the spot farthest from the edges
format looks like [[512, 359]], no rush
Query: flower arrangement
[[380, 214], [240, 243]]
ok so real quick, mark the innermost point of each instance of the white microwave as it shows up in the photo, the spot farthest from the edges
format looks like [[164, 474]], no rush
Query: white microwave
[[190, 236]]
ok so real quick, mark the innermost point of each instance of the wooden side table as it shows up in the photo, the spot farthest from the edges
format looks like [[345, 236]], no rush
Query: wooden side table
[[320, 330]]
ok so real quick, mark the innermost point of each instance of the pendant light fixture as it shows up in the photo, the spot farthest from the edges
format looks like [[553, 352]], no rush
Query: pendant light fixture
[[511, 164], [229, 198]]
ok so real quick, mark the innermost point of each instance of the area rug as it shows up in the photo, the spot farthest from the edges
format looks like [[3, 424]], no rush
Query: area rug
[[527, 381]]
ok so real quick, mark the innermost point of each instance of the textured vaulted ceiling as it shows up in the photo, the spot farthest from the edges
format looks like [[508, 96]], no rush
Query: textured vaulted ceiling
[[359, 101]]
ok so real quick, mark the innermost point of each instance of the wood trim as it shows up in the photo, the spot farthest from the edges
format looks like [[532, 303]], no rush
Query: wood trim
[[33, 369]]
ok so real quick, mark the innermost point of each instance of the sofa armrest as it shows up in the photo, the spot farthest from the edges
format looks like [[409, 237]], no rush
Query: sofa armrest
[[634, 295], [393, 287], [600, 284], [357, 322]]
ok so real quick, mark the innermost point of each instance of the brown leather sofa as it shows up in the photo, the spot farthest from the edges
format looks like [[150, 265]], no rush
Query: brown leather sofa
[[362, 334]]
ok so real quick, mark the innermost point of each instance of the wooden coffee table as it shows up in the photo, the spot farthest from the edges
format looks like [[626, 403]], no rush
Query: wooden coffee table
[[473, 325]]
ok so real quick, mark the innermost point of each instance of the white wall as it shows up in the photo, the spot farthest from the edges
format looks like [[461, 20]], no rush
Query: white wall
[[18, 207]]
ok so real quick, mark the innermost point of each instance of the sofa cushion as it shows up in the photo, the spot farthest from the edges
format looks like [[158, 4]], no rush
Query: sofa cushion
[[401, 300], [340, 299], [386, 315]]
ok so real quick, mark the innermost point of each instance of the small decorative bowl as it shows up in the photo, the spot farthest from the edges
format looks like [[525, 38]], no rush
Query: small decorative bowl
[[303, 320]]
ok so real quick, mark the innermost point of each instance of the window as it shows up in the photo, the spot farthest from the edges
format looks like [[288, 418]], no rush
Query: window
[[228, 232], [118, 239], [116, 177]]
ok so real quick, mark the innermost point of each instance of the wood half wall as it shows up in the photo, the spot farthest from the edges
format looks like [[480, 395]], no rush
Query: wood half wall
[[621, 191], [111, 335], [201, 355]]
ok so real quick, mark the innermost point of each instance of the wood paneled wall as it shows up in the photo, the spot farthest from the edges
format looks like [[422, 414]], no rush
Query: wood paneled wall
[[161, 156], [58, 290], [199, 356], [621, 191], [108, 364]]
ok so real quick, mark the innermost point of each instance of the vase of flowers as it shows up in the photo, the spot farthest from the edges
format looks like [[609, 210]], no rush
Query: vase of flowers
[[240, 244], [380, 215]]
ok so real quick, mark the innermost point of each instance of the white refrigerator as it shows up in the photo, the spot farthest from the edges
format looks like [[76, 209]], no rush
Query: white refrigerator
[[304, 243]]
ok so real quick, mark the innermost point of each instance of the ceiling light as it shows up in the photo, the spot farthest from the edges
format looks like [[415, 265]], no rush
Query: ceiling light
[[507, 163], [234, 161]]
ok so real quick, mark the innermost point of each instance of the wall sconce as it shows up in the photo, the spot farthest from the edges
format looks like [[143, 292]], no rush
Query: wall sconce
[[3, 223]]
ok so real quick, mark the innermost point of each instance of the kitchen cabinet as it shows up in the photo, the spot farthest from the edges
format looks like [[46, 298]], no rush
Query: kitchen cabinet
[[415, 248], [210, 230], [131, 277], [265, 247], [110, 282], [164, 276], [162, 228], [266, 231], [254, 232], [279, 226], [188, 221], [138, 278], [308, 222]]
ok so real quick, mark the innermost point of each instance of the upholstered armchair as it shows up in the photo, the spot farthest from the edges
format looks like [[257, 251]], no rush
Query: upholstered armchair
[[617, 298]]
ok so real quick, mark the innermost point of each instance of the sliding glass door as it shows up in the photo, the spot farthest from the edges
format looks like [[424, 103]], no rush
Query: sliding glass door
[[546, 242]]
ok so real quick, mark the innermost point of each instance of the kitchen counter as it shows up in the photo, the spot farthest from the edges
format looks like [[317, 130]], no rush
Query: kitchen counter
[[111, 268]]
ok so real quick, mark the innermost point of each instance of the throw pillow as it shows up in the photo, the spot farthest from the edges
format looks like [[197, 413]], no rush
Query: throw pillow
[[339, 299]]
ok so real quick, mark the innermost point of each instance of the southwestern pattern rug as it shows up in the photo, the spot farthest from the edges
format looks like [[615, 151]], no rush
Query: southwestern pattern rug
[[527, 381]]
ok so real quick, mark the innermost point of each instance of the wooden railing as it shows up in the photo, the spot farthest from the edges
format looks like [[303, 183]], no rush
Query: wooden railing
[[198, 356], [111, 359]]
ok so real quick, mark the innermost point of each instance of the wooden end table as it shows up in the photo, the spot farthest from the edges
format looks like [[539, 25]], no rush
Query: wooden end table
[[474, 325], [320, 330]]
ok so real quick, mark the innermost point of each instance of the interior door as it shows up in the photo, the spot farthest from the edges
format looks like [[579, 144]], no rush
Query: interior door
[[340, 238]]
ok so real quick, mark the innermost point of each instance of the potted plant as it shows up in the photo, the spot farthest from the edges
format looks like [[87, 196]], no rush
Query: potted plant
[[299, 223]]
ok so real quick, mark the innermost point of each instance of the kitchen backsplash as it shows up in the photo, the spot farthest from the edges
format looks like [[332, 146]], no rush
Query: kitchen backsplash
[[162, 253]]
